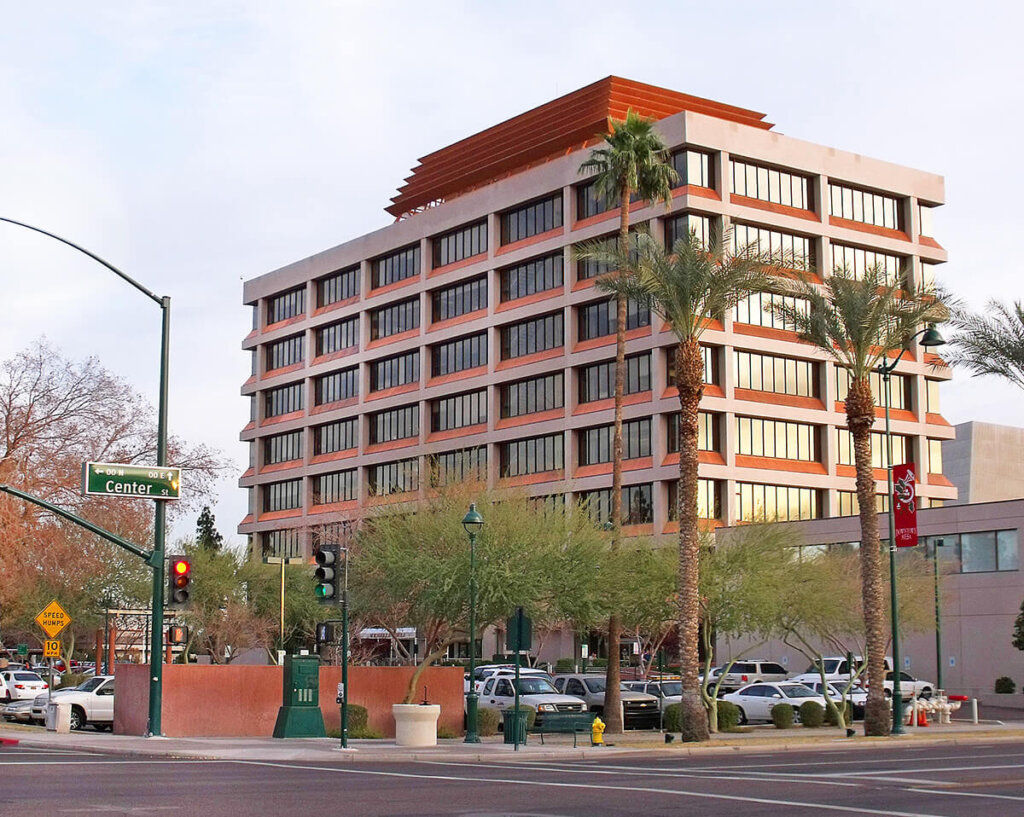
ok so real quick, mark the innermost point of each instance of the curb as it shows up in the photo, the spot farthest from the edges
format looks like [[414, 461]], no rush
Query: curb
[[9, 741]]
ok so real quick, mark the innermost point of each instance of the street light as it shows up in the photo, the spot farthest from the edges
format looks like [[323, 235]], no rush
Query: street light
[[156, 561], [472, 522], [929, 337], [282, 560]]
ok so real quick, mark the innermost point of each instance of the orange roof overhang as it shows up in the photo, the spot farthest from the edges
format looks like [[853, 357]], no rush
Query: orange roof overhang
[[553, 129]]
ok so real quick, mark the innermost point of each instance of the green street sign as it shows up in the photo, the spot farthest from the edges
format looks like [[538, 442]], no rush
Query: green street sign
[[135, 481], [23, 649]]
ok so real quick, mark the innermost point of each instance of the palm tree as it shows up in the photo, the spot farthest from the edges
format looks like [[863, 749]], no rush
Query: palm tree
[[991, 343], [859, 323], [684, 288], [634, 160]]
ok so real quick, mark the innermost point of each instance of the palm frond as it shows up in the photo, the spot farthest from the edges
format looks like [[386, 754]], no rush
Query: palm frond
[[991, 343]]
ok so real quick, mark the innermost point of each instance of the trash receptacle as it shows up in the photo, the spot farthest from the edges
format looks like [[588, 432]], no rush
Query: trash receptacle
[[513, 724], [58, 717]]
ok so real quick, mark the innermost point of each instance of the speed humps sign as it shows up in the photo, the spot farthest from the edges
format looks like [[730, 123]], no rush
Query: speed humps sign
[[135, 481], [53, 618]]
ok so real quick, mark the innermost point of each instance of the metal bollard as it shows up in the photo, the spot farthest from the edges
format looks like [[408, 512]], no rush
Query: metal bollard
[[974, 711]]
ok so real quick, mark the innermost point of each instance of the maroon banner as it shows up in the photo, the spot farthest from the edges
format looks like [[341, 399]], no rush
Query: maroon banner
[[904, 504]]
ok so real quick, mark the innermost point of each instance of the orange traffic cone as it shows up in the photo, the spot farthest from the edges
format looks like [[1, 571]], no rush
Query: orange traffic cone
[[922, 717]]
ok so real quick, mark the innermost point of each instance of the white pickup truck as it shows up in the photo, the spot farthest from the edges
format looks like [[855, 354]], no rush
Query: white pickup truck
[[92, 702]]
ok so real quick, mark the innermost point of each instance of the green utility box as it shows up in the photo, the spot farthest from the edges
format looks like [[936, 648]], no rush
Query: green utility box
[[300, 715]]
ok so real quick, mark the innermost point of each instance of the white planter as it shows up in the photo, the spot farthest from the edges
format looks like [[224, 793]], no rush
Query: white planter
[[416, 724]]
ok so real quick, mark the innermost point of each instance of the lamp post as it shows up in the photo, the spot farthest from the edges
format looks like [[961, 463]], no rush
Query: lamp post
[[929, 337], [936, 544], [344, 652], [156, 560], [472, 522], [282, 560]]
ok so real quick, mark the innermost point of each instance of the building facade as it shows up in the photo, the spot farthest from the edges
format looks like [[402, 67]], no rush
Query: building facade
[[985, 462], [467, 341]]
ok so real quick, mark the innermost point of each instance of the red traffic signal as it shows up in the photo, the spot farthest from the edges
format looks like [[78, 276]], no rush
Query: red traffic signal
[[180, 576]]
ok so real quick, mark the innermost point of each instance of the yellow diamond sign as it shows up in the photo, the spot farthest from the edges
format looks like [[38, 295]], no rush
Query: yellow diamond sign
[[53, 619]]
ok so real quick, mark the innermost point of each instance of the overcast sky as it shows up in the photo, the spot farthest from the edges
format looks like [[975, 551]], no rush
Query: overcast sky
[[196, 144]]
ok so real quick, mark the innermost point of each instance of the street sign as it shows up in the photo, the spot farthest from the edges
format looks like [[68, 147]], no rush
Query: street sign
[[519, 632], [53, 619], [145, 481], [51, 649], [23, 650]]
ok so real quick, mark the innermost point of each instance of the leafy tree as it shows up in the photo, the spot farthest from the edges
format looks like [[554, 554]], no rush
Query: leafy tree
[[642, 590], [633, 160], [207, 535], [684, 287], [860, 322], [989, 343], [412, 567], [1018, 629]]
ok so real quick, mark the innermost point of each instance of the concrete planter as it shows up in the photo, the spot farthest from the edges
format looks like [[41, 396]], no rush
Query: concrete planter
[[416, 724]]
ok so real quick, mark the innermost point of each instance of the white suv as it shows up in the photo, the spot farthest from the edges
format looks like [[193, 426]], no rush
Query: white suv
[[498, 692], [92, 702], [836, 669]]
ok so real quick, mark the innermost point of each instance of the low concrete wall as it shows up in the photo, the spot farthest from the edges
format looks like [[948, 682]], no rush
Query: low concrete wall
[[242, 701]]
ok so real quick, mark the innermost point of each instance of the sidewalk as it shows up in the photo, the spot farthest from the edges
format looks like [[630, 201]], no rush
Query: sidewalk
[[493, 749]]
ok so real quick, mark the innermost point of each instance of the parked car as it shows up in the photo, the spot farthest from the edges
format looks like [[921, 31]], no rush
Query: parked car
[[92, 702], [21, 684], [857, 696], [755, 701], [667, 692], [639, 710], [498, 692], [481, 674], [910, 687], [17, 711], [751, 671], [836, 669]]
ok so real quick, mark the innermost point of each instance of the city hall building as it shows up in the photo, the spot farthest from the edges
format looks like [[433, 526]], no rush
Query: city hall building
[[466, 340]]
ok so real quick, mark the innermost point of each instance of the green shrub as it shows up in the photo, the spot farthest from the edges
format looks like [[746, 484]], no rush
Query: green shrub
[[365, 733], [565, 665], [487, 722], [1005, 685], [674, 718], [782, 716], [830, 714], [728, 716], [531, 716], [812, 714], [598, 662], [70, 679], [444, 733], [358, 717]]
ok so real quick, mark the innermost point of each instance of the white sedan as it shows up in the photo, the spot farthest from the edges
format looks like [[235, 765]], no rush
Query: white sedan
[[17, 685], [755, 701]]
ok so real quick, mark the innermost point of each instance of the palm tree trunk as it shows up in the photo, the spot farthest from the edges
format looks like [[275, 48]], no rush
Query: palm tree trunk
[[690, 382], [612, 699], [860, 417]]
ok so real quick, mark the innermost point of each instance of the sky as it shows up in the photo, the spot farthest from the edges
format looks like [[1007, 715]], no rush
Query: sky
[[198, 144]]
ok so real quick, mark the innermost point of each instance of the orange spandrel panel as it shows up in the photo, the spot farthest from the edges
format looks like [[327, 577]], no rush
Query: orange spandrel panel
[[550, 130]]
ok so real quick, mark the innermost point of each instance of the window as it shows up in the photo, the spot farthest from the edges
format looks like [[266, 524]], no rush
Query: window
[[795, 250], [531, 219], [460, 299], [879, 451], [282, 448], [458, 355], [395, 424], [987, 551], [709, 499], [536, 275], [864, 206], [337, 486], [708, 436], [934, 456], [287, 305], [693, 167], [849, 506], [597, 381], [464, 465], [932, 397], [757, 310], [282, 496], [775, 502], [281, 543], [394, 477], [339, 286], [465, 242], [768, 184], [395, 318], [341, 435], [533, 455], [596, 443], [710, 355], [757, 437], [395, 371], [337, 336], [398, 266], [458, 411], [781, 375], [536, 335], [681, 226], [587, 268], [599, 319], [899, 385], [637, 508], [342, 385], [284, 400], [542, 393], [857, 261], [924, 213], [590, 203], [285, 352]]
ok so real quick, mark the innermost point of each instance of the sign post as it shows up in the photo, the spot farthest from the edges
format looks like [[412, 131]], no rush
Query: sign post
[[53, 619]]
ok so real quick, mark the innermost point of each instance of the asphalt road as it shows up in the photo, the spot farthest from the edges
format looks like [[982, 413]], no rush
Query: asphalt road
[[938, 781]]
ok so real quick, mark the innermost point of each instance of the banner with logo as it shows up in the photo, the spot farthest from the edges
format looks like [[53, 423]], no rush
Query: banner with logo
[[904, 504]]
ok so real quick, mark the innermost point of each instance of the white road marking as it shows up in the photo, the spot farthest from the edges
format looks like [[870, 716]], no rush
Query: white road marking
[[603, 789], [969, 794], [849, 762]]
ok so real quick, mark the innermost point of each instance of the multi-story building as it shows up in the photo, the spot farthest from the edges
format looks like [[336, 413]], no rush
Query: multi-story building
[[467, 339]]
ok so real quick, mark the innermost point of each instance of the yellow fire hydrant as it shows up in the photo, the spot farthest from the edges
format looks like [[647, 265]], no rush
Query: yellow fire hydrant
[[596, 732]]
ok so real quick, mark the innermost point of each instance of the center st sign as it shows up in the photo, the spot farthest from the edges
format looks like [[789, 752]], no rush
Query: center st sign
[[146, 482]]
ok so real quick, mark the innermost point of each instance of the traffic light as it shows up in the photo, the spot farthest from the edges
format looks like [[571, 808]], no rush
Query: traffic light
[[327, 574], [179, 577], [177, 634]]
